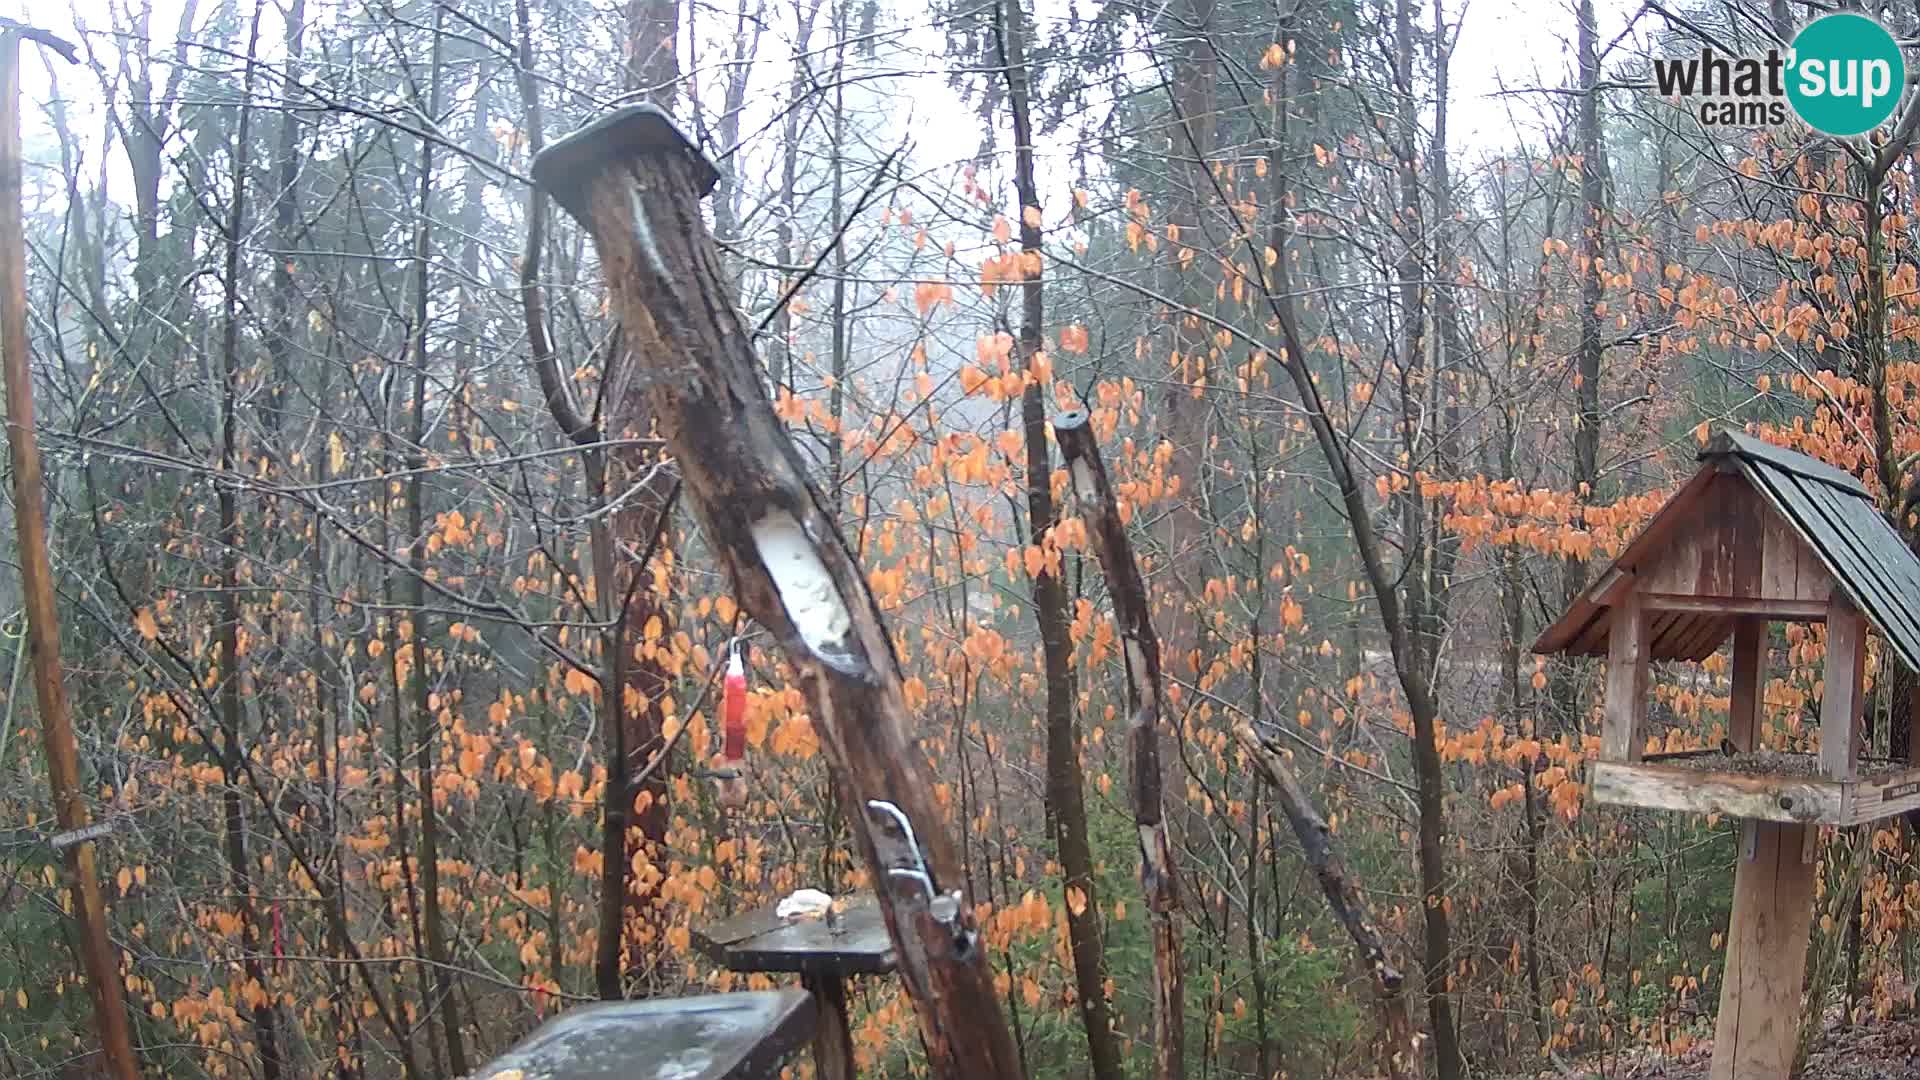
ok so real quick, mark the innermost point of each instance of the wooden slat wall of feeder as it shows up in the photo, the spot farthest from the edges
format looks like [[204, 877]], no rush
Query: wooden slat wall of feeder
[[1758, 535]]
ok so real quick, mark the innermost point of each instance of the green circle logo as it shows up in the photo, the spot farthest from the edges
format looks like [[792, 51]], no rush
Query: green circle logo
[[1847, 74]]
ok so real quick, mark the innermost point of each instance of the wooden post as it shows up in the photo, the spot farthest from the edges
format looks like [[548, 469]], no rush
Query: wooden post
[[1842, 703], [832, 1036], [635, 182], [97, 952], [1759, 1022], [1749, 682], [1626, 696], [1913, 725], [1158, 873]]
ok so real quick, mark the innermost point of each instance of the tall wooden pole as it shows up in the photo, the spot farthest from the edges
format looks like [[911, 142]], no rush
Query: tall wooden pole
[[36, 580]]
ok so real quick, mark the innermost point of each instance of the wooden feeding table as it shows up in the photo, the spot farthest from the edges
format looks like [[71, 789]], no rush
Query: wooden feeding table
[[710, 1037], [823, 953], [1759, 535]]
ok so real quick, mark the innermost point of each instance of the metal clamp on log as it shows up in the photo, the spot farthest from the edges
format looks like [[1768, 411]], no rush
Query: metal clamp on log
[[893, 837]]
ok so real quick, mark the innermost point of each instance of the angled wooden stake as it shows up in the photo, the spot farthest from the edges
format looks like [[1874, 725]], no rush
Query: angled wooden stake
[[1158, 874], [101, 958], [635, 182]]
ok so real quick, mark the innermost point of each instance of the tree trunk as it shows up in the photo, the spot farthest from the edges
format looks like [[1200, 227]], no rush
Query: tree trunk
[[239, 866], [1065, 790], [426, 747], [1141, 648], [98, 955], [1395, 618]]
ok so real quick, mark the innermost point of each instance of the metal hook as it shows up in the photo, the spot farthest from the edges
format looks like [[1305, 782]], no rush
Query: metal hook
[[919, 871], [906, 829], [915, 875]]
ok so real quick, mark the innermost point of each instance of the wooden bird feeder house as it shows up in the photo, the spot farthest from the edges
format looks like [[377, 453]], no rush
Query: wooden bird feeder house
[[1759, 535]]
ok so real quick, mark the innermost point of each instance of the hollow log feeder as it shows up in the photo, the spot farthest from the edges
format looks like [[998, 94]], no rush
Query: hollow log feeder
[[1159, 878], [635, 182], [1759, 535]]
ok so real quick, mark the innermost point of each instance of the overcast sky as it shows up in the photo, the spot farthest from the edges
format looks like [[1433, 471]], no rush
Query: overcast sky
[[1504, 45]]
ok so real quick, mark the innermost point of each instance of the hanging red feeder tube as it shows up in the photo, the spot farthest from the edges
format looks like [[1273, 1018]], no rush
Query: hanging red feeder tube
[[733, 742]]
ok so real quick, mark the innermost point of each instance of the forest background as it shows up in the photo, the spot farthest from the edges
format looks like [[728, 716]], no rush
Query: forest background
[[1394, 320]]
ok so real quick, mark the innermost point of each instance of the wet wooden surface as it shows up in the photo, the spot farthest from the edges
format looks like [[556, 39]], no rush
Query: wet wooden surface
[[759, 940], [743, 1036]]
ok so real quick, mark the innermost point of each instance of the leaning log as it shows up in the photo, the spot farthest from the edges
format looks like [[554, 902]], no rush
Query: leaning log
[[1344, 898], [1128, 591], [635, 182]]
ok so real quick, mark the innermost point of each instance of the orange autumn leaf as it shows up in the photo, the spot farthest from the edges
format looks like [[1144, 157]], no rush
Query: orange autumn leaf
[[1036, 560]]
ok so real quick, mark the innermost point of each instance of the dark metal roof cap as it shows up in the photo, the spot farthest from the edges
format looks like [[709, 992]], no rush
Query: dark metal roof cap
[[631, 131], [1733, 443]]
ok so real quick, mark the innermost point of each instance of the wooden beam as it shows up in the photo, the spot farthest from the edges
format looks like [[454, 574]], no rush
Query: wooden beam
[[1759, 1023], [1699, 791], [1749, 682], [1626, 681], [1784, 609], [1843, 699]]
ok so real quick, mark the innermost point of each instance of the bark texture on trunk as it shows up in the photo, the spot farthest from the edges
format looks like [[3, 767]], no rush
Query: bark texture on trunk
[[1158, 873]]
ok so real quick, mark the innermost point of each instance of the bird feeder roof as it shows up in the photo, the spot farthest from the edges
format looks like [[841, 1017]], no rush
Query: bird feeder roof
[[1829, 511]]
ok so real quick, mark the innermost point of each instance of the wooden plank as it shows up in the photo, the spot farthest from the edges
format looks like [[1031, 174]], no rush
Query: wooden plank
[[1759, 1022], [1743, 530], [1698, 791], [1789, 569], [714, 940], [1676, 569], [1749, 682], [1626, 690], [1719, 547], [1842, 705], [858, 944], [1780, 610], [1885, 797]]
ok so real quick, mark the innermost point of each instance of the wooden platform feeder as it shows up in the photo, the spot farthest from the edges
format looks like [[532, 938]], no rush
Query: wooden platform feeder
[[1759, 535], [823, 952]]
